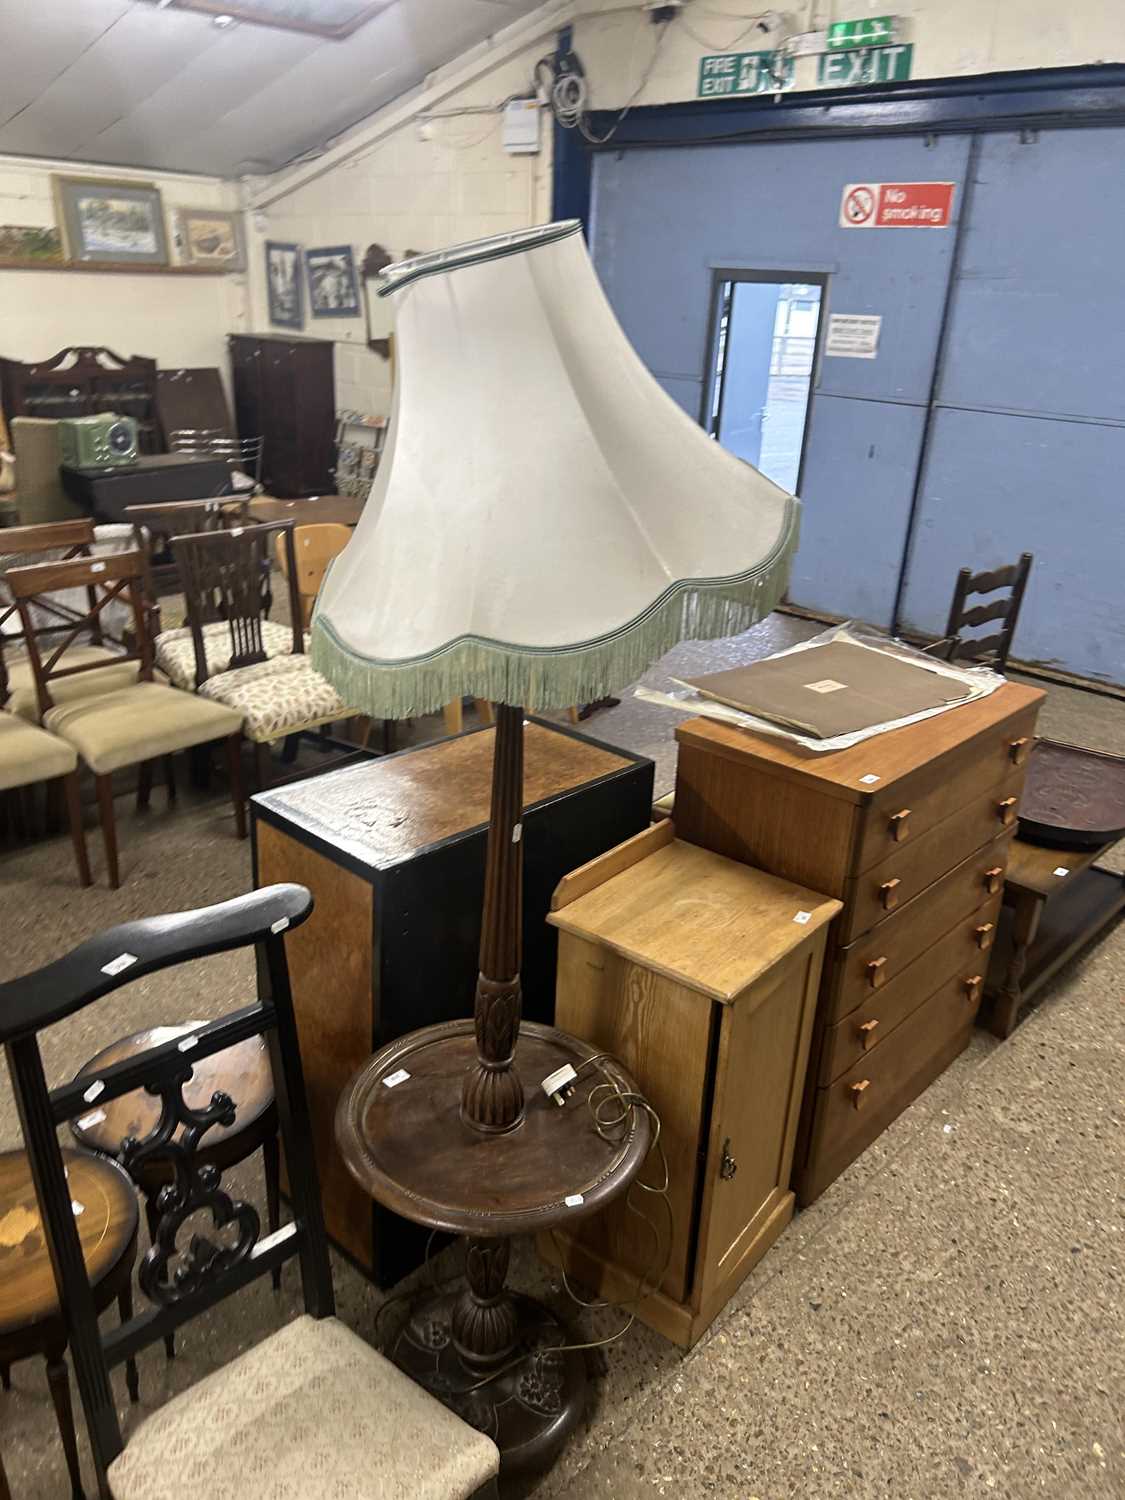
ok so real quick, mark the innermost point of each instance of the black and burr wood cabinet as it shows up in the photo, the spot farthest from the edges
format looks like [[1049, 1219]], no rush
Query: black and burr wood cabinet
[[393, 851], [285, 393], [911, 830]]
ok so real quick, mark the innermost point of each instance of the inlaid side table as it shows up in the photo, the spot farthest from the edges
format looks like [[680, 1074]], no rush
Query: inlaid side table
[[498, 1359]]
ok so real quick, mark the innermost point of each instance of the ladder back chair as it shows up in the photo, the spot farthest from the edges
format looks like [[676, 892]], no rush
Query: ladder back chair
[[129, 726], [279, 694], [312, 1411], [991, 650]]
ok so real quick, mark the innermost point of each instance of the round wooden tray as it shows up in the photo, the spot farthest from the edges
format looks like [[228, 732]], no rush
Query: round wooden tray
[[1074, 798]]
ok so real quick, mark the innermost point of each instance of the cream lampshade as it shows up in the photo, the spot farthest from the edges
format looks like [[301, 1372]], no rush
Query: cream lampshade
[[545, 522]]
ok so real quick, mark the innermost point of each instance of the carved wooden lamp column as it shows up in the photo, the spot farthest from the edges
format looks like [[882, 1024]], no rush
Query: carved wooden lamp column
[[544, 524]]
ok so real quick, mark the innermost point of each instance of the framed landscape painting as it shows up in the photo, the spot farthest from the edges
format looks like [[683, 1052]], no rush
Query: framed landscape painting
[[333, 289], [209, 237], [103, 219], [283, 283]]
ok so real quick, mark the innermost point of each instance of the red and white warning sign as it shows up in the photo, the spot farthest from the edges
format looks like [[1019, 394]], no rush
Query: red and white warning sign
[[897, 205]]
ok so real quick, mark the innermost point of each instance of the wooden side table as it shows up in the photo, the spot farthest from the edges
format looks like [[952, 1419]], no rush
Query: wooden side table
[[701, 974], [1055, 901], [501, 1361]]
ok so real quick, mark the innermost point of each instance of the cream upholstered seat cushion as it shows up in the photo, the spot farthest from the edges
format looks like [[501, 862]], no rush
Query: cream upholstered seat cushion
[[29, 754], [312, 1413], [136, 723], [175, 650], [24, 701], [277, 698]]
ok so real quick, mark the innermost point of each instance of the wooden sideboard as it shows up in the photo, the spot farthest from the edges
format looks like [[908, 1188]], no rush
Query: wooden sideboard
[[911, 831], [393, 852]]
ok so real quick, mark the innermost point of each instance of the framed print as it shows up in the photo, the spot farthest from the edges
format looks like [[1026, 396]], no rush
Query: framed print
[[283, 280], [209, 237], [333, 288], [103, 219]]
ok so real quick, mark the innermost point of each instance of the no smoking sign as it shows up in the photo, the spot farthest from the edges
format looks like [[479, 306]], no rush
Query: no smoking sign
[[897, 205]]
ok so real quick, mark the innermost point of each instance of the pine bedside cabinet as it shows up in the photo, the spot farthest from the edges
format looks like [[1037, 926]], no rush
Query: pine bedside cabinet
[[700, 975], [911, 830]]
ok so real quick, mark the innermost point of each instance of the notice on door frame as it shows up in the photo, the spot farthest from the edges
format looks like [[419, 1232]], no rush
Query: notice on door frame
[[853, 335], [897, 205]]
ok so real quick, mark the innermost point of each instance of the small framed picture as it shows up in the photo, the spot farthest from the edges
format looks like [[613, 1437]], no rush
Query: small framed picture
[[333, 289], [283, 279], [104, 219], [209, 237]]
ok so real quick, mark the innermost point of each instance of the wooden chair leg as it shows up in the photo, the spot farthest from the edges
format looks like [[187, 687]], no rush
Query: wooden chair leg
[[289, 749], [237, 791], [454, 716], [271, 1162], [77, 832], [262, 763], [125, 1310], [144, 784], [170, 777], [55, 801], [6, 1377], [59, 1381], [152, 1219], [388, 736], [5, 1492], [572, 713], [104, 788], [484, 710]]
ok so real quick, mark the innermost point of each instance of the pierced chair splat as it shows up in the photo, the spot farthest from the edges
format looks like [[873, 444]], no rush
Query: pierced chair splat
[[312, 1410], [280, 696]]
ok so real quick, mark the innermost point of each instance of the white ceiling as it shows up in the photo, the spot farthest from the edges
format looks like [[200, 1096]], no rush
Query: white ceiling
[[127, 83]]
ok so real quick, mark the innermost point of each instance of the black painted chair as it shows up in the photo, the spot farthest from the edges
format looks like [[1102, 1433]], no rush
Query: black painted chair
[[311, 1411]]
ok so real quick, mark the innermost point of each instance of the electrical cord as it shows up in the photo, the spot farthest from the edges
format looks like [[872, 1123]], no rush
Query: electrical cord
[[602, 1097]]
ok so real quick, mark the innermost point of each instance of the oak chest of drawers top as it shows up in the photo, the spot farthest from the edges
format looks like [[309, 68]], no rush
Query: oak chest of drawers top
[[822, 818]]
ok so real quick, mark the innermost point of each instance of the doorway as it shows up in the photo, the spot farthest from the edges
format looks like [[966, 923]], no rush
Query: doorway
[[764, 347]]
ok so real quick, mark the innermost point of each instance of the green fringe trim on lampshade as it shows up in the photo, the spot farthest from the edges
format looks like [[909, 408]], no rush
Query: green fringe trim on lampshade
[[548, 678]]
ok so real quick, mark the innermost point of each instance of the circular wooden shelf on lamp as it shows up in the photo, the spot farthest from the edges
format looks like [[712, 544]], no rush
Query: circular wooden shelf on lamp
[[408, 1145]]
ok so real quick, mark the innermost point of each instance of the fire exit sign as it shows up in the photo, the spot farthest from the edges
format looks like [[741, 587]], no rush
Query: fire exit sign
[[744, 73], [872, 31]]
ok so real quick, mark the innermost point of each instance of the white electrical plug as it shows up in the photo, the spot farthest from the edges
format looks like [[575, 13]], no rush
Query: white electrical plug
[[559, 1085]]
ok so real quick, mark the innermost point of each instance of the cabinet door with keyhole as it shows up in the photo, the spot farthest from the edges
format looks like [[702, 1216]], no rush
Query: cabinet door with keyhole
[[763, 1052]]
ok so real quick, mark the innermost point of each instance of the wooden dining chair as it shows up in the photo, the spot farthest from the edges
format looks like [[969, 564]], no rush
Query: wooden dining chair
[[129, 726], [311, 1409], [32, 1322], [279, 695], [54, 541], [314, 547], [991, 650]]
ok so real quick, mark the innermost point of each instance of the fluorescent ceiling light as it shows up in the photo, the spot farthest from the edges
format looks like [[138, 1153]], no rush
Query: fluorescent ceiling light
[[334, 19]]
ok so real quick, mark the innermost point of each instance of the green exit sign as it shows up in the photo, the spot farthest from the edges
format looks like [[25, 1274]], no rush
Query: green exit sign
[[872, 31]]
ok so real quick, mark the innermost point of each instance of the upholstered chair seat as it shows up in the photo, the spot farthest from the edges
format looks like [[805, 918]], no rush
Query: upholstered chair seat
[[175, 650], [277, 698], [29, 755], [302, 1416], [138, 723], [24, 701]]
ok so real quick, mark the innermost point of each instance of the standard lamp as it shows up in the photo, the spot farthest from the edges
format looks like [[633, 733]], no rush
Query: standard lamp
[[545, 523]]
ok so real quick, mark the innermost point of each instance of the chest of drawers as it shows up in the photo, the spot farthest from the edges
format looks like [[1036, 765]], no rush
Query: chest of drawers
[[911, 831]]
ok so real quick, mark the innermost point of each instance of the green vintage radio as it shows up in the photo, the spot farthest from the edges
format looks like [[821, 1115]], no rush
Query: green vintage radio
[[99, 442]]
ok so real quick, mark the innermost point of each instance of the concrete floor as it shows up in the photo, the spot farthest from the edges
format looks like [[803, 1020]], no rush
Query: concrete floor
[[946, 1320]]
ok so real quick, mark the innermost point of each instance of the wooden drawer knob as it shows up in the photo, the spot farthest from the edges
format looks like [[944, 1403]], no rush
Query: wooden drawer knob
[[1006, 810], [974, 988], [876, 972], [984, 934], [1019, 750], [867, 1031], [858, 1092], [900, 825], [888, 894], [994, 879]]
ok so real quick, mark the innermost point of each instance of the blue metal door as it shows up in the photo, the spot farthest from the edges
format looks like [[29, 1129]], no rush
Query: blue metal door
[[1027, 447], [664, 221]]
